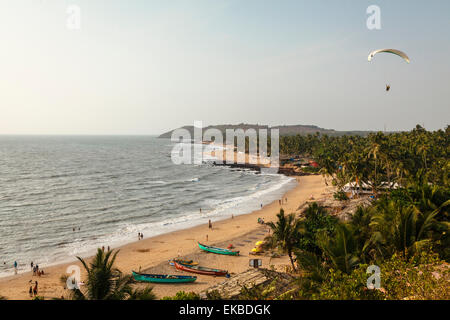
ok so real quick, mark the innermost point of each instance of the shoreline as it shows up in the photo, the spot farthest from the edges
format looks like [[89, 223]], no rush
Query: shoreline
[[282, 188], [153, 251]]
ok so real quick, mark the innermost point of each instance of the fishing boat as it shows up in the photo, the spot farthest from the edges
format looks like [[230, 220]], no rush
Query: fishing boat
[[162, 278], [186, 262], [200, 270], [218, 250]]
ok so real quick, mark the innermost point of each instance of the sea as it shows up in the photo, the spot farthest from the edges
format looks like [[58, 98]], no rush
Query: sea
[[66, 196]]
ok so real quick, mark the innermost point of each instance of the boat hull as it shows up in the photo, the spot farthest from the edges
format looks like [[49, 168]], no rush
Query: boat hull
[[218, 250], [200, 270], [162, 278], [185, 262]]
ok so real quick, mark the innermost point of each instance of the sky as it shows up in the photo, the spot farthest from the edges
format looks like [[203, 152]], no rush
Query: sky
[[146, 66]]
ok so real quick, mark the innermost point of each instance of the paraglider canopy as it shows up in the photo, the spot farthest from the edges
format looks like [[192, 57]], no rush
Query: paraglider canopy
[[393, 51]]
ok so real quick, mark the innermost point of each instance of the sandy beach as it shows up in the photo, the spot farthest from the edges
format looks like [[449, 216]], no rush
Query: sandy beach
[[151, 254]]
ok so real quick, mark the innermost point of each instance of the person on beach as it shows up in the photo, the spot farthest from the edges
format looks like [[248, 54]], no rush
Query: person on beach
[[279, 202], [35, 289], [261, 205], [210, 224], [31, 291], [206, 238], [109, 249], [103, 248], [15, 267], [139, 236], [142, 236], [31, 265]]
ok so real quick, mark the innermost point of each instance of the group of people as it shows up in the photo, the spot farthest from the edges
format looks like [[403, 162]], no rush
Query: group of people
[[281, 201], [36, 271], [33, 291]]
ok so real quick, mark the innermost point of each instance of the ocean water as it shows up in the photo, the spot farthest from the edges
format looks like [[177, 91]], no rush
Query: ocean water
[[109, 188]]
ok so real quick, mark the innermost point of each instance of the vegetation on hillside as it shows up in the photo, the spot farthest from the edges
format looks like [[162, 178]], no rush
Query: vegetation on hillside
[[404, 232]]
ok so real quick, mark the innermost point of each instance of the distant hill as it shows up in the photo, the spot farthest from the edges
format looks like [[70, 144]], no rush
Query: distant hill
[[284, 130]]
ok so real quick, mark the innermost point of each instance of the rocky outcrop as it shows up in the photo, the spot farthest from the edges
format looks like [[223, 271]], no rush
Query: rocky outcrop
[[231, 288]]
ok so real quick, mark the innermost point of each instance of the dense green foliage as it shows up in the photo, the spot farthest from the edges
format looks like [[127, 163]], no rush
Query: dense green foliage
[[403, 157], [405, 230], [182, 295]]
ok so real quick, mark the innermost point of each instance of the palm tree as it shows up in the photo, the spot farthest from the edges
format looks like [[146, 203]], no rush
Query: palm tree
[[402, 227], [341, 251], [360, 225], [105, 282], [373, 150], [285, 234]]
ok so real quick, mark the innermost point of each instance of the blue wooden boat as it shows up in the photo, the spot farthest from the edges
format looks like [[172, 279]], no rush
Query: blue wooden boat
[[218, 250], [162, 278]]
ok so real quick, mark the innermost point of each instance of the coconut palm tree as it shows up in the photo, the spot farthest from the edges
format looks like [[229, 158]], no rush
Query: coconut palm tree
[[105, 282], [341, 250], [402, 227], [285, 234]]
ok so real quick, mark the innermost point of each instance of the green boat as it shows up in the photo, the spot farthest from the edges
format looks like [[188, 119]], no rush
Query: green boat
[[162, 278], [218, 250]]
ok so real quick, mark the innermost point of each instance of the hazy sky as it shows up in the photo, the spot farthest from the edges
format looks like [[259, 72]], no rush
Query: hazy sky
[[144, 67]]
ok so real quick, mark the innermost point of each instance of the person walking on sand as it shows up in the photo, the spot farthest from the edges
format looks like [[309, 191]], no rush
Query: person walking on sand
[[15, 267], [35, 289], [210, 224], [31, 291]]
